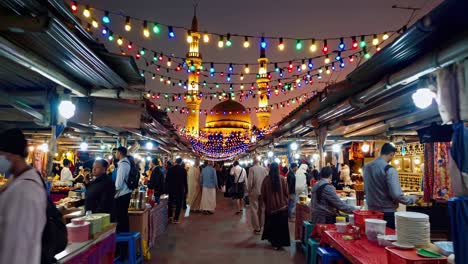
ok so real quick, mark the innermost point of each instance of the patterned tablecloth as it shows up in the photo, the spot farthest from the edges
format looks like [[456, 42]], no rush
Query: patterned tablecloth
[[157, 221], [302, 214]]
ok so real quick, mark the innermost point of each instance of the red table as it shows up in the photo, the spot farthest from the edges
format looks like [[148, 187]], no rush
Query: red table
[[357, 251]]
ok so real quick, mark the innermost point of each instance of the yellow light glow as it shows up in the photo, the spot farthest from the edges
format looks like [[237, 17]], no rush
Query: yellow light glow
[[146, 33], [303, 66], [385, 36], [328, 71], [189, 39], [86, 12], [246, 69], [281, 46], [206, 38], [327, 60], [128, 27], [95, 24], [220, 44], [246, 44], [313, 47], [120, 42], [31, 148]]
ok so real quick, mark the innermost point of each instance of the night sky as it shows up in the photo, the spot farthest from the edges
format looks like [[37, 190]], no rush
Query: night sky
[[293, 18]]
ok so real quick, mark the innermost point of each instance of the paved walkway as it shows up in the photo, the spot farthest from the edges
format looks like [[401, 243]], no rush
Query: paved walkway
[[222, 238]]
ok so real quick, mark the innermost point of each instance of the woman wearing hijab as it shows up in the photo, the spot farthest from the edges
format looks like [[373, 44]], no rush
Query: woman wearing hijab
[[275, 197]]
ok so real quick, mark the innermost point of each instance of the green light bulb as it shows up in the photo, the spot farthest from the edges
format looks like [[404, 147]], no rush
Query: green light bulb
[[228, 43], [111, 38], [298, 45], [367, 56], [156, 29]]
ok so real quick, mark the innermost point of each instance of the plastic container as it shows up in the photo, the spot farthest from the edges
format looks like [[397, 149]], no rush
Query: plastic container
[[78, 233], [341, 227], [351, 201], [361, 215], [445, 247], [341, 219], [386, 241], [375, 227], [402, 256]]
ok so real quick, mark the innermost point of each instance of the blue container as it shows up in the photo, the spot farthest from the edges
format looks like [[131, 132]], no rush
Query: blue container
[[458, 208]]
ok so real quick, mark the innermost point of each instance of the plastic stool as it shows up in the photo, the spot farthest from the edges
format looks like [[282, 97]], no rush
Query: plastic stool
[[306, 231], [133, 240], [329, 255], [312, 246]]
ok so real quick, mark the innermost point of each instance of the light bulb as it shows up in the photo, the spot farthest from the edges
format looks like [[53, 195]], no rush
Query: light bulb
[[128, 26], [423, 97], [146, 33], [221, 42], [66, 109], [336, 148], [95, 24], [246, 69], [86, 12], [365, 147], [246, 42], [149, 145], [297, 156], [313, 46], [189, 39], [206, 38], [270, 154], [294, 146], [31, 148], [281, 44], [83, 146]]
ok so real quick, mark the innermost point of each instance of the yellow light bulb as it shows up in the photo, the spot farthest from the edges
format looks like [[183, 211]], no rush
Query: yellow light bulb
[[94, 23], [120, 41], [206, 38], [303, 66], [128, 27], [375, 40], [328, 71], [385, 36], [247, 70], [146, 33], [189, 39], [241, 77], [281, 46], [169, 63], [86, 12], [313, 47], [327, 60], [298, 80], [220, 44], [246, 44], [242, 86]]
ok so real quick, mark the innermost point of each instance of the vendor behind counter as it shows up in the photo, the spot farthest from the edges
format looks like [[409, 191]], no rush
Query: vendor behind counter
[[100, 192]]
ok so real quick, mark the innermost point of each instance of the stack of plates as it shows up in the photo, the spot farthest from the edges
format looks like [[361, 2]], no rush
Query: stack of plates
[[412, 228]]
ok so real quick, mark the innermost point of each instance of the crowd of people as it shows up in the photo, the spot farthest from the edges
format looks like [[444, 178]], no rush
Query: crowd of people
[[272, 193]]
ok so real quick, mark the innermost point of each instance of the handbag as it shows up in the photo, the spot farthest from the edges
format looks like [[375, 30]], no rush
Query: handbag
[[237, 188]]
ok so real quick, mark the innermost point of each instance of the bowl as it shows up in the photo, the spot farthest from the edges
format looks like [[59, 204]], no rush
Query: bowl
[[386, 240]]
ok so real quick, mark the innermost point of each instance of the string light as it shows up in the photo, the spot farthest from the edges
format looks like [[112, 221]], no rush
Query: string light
[[338, 56], [342, 45], [206, 38], [313, 46], [94, 23], [221, 42], [303, 66], [298, 44], [171, 33], [106, 18], [129, 45], [228, 40], [363, 42], [263, 43], [327, 60], [351, 59], [385, 36], [325, 47], [281, 44], [246, 42], [111, 36], [169, 62], [74, 7], [247, 69], [156, 29], [120, 41], [128, 26], [375, 40], [311, 65], [104, 31], [355, 44], [86, 12], [146, 32]]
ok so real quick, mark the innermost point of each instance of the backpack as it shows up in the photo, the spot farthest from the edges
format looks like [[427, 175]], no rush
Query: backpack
[[54, 236], [134, 174]]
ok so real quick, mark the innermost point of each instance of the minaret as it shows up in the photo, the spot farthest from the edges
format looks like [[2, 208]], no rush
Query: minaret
[[194, 62], [263, 114]]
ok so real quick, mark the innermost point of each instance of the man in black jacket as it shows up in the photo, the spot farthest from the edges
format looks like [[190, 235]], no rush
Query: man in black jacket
[[292, 190], [156, 181], [100, 192], [177, 188]]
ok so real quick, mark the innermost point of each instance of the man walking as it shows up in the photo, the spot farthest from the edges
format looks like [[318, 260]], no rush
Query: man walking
[[209, 183], [23, 202], [382, 185], [122, 192], [255, 179], [292, 190], [177, 188]]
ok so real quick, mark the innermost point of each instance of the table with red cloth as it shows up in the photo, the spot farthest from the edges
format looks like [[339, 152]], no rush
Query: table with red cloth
[[98, 251], [357, 251], [302, 214]]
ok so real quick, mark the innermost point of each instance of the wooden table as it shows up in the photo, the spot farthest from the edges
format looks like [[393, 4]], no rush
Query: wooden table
[[139, 222]]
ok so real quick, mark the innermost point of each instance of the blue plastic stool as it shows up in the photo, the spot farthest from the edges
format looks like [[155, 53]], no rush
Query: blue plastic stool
[[329, 255], [133, 240], [306, 231], [312, 246]]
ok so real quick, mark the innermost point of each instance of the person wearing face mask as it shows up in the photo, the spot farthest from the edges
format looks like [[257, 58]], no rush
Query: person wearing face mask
[[325, 203], [22, 199]]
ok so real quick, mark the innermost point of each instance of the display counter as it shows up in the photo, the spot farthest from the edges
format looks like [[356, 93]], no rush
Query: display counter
[[95, 251]]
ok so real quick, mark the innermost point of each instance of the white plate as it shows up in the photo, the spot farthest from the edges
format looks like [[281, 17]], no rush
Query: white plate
[[404, 246], [412, 215]]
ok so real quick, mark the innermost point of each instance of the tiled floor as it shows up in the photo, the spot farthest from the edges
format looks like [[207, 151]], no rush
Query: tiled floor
[[222, 238]]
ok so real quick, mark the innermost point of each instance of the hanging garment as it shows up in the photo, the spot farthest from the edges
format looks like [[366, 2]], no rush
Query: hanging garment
[[428, 171], [459, 165], [442, 184]]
